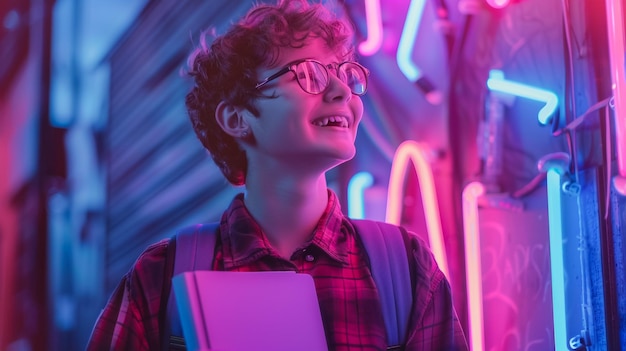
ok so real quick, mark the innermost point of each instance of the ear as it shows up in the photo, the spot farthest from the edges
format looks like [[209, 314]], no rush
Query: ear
[[231, 120]]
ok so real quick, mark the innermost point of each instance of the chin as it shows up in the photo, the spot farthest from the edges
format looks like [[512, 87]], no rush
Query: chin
[[333, 155], [347, 155]]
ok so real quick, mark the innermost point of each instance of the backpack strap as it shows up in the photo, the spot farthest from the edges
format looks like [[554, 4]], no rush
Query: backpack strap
[[386, 246], [191, 249]]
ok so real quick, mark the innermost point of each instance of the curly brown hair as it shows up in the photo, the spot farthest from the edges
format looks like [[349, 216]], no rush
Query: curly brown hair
[[226, 71]]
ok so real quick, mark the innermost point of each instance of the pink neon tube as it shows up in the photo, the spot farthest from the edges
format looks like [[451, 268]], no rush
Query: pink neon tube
[[374, 28], [412, 151], [474, 278], [617, 51]]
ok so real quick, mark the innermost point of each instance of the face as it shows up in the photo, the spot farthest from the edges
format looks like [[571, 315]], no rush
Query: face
[[298, 129]]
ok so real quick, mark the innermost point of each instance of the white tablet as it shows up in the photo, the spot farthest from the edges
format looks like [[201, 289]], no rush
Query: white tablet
[[246, 311]]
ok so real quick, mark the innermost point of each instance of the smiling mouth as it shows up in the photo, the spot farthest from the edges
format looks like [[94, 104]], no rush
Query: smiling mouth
[[332, 121]]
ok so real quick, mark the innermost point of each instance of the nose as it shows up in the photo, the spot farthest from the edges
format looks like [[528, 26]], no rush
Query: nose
[[337, 90]]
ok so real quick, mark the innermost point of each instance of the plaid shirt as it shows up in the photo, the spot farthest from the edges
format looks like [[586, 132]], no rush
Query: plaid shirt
[[349, 303]]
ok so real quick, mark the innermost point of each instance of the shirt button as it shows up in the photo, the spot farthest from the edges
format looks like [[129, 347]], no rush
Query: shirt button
[[309, 258]]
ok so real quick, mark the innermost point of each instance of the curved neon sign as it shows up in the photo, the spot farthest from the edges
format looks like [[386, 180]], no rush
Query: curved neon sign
[[414, 152]]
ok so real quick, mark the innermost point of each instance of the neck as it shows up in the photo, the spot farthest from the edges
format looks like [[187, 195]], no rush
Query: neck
[[287, 209]]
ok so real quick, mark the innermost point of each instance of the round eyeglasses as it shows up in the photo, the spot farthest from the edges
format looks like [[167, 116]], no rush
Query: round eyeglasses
[[313, 78]]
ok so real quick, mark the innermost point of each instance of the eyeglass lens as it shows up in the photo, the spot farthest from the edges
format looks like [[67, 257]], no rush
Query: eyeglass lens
[[313, 77]]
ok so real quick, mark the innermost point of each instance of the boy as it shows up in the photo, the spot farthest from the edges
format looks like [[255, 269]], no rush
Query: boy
[[277, 103]]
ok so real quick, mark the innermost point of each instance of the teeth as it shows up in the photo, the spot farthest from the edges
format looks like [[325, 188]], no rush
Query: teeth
[[322, 122]]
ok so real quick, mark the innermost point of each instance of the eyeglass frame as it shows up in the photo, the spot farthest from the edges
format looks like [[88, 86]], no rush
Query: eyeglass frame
[[290, 67]]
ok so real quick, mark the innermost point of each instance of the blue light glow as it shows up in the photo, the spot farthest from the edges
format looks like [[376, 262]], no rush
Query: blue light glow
[[557, 258], [496, 82], [407, 41], [356, 188]]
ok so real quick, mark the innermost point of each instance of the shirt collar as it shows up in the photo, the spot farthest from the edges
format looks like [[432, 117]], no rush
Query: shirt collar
[[243, 241], [331, 232]]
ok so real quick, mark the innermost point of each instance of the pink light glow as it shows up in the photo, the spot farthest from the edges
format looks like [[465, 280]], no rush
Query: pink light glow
[[615, 31], [474, 279], [413, 151], [498, 4], [374, 28]]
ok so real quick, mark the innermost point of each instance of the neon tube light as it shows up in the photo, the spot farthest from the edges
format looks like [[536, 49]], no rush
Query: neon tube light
[[617, 39], [556, 165], [356, 200], [412, 151], [405, 49], [474, 278], [496, 82], [374, 28], [407, 40]]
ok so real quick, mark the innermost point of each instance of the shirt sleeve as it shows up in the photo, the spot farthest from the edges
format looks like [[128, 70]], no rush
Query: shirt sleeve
[[434, 322], [130, 319]]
